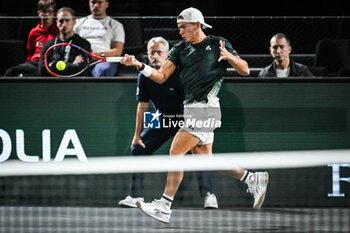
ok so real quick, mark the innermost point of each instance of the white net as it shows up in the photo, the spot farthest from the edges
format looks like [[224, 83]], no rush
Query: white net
[[307, 191]]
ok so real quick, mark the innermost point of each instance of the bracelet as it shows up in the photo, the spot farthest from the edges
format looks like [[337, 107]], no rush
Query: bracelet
[[102, 54]]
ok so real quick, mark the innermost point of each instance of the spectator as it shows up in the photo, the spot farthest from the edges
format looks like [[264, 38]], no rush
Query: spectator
[[65, 24], [283, 66], [147, 141], [106, 36], [44, 31]]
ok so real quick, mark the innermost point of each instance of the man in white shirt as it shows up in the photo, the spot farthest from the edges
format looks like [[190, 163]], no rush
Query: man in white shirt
[[105, 34], [283, 66]]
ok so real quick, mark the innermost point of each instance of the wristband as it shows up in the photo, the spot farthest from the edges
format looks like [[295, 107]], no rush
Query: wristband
[[146, 70]]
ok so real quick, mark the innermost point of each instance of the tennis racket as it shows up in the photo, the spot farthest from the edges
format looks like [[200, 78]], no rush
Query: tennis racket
[[69, 60]]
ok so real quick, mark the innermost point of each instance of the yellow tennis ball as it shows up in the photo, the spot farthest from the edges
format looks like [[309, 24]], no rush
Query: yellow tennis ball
[[60, 65]]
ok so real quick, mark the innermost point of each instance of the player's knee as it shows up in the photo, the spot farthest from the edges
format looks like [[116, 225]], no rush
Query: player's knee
[[176, 151], [138, 150]]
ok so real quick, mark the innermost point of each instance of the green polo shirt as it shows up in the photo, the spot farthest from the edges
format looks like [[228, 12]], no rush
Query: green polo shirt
[[200, 70]]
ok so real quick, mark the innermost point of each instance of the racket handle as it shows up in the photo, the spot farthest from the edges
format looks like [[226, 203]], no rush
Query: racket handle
[[114, 59]]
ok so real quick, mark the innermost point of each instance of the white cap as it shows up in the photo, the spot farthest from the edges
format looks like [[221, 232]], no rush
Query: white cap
[[192, 15]]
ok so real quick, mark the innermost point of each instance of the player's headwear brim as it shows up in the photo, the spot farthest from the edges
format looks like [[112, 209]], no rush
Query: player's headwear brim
[[192, 15]]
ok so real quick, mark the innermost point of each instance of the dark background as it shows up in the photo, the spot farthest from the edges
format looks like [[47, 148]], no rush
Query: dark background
[[213, 8]]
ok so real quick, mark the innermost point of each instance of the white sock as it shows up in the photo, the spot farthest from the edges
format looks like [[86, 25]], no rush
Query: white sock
[[248, 177], [167, 200]]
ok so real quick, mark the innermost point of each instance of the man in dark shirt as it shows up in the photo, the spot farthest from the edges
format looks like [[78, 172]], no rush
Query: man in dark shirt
[[65, 24], [147, 141], [283, 66]]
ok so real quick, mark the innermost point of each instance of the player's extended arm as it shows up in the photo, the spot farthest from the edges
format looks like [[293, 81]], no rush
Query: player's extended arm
[[141, 107], [158, 76], [240, 65]]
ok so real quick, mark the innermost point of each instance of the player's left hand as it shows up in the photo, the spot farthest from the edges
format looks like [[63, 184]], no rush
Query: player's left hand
[[224, 54]]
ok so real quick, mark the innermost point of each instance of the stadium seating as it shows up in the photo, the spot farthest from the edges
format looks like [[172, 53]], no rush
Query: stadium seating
[[4, 30], [24, 26], [333, 55], [133, 36], [258, 61], [13, 52], [171, 34], [328, 57]]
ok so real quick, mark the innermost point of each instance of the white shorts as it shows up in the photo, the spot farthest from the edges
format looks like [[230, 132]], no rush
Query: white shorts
[[201, 119]]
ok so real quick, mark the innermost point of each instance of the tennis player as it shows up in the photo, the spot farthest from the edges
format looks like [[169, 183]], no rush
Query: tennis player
[[147, 141], [202, 61]]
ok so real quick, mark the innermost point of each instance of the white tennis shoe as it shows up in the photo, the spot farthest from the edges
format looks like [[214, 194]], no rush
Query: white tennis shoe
[[130, 201], [156, 209], [210, 201], [258, 188]]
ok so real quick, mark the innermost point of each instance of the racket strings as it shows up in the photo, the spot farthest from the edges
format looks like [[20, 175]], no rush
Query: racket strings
[[76, 61]]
